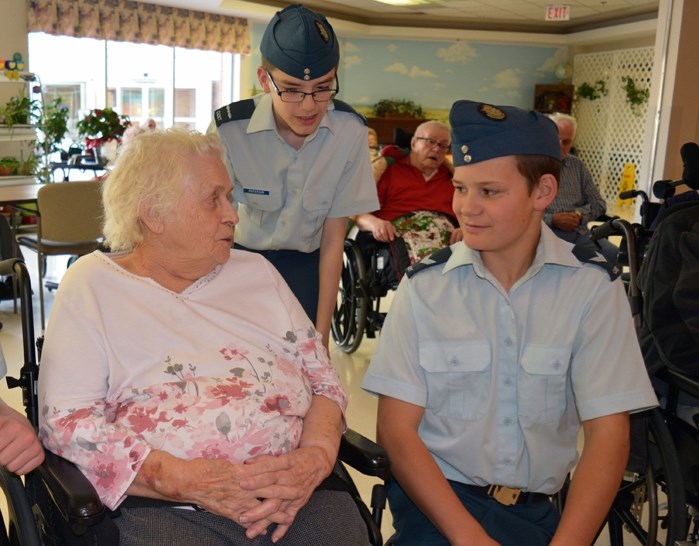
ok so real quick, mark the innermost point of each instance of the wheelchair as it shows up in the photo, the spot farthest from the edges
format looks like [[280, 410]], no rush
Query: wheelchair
[[56, 505], [658, 500], [370, 269]]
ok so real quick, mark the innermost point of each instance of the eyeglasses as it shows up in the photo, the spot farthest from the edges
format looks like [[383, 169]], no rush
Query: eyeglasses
[[321, 95], [432, 143]]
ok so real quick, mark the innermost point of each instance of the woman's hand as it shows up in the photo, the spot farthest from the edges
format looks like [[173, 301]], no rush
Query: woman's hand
[[213, 484], [285, 491]]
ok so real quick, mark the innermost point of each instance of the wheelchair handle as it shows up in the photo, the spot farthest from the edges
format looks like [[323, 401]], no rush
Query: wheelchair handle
[[29, 373]]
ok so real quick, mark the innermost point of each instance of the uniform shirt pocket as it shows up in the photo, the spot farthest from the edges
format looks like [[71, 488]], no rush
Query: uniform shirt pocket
[[316, 205], [258, 202], [458, 376], [542, 385]]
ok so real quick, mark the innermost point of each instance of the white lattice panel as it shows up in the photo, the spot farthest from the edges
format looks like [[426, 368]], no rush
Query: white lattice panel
[[611, 131]]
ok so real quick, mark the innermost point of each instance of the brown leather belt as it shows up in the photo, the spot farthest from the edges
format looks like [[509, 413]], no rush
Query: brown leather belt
[[507, 496]]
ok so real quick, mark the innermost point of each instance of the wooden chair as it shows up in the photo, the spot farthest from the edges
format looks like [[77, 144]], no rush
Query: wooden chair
[[70, 223]]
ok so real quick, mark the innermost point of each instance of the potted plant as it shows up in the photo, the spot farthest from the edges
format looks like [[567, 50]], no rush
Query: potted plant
[[53, 124], [397, 108], [102, 125], [8, 166], [19, 110], [391, 114]]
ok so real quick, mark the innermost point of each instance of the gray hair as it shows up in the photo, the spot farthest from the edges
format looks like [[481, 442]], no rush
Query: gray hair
[[431, 123], [559, 117], [150, 171]]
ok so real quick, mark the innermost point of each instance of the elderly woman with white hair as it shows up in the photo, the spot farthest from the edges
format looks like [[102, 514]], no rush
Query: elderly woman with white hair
[[184, 378]]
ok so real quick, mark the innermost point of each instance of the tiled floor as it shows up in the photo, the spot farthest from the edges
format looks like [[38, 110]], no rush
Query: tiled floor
[[361, 414]]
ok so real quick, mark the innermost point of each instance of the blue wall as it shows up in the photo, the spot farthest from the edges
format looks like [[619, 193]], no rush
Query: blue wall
[[436, 73]]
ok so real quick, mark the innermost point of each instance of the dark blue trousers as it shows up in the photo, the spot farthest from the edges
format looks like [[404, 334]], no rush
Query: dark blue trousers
[[521, 525], [300, 271]]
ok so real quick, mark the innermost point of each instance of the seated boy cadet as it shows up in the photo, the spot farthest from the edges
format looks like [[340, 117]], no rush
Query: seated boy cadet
[[298, 160], [496, 350]]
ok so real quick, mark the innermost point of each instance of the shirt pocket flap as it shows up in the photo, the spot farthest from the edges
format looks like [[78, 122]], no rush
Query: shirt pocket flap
[[546, 359], [264, 200], [462, 356]]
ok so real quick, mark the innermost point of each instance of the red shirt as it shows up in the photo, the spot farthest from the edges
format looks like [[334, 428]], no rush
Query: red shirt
[[403, 189]]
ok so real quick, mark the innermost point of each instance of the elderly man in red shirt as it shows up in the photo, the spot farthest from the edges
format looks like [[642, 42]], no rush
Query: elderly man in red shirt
[[415, 194]]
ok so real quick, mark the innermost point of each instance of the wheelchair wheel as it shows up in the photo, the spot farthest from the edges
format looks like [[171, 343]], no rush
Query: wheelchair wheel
[[650, 507], [22, 529], [349, 317]]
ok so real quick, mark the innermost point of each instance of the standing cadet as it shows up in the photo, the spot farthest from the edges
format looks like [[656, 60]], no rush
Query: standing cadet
[[298, 160]]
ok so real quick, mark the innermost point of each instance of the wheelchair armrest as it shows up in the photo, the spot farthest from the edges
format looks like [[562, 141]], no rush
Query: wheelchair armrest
[[364, 455], [71, 491]]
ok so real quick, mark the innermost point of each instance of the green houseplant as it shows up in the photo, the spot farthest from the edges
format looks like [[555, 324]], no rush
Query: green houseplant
[[19, 110], [401, 108], [592, 92], [635, 96]]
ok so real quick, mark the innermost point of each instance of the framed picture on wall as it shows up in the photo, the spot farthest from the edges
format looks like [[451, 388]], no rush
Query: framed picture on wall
[[550, 98]]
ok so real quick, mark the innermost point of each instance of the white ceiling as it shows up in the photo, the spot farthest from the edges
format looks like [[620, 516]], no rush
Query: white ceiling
[[497, 15]]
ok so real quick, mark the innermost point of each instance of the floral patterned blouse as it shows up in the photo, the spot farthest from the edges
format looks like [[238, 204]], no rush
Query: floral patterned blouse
[[225, 369]]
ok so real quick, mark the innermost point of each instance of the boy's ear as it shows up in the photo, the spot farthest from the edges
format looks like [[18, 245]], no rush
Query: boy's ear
[[263, 79], [546, 191]]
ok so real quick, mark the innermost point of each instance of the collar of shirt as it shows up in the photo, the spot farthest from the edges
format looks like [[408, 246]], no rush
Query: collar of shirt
[[550, 250], [263, 117]]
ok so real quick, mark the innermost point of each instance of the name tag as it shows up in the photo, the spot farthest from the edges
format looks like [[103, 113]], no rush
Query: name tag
[[255, 191]]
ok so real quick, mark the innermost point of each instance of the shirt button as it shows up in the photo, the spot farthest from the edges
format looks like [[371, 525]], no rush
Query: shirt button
[[508, 342], [557, 365], [507, 460], [453, 361], [507, 381], [508, 421]]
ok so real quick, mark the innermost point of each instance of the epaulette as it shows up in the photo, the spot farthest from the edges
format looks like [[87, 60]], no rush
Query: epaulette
[[436, 258], [234, 111], [588, 255], [344, 107]]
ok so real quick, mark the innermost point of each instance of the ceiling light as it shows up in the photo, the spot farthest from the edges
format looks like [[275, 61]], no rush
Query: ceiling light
[[405, 2]]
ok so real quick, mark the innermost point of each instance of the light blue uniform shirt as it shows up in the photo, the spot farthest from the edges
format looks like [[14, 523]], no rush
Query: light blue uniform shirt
[[284, 195], [506, 378]]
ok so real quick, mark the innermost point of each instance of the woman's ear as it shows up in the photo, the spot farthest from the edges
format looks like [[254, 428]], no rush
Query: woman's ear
[[546, 191], [151, 221]]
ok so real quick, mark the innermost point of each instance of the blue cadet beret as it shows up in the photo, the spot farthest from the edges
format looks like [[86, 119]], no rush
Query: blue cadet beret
[[482, 131], [301, 43]]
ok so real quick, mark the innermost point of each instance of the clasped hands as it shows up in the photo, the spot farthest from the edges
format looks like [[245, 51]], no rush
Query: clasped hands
[[566, 221], [263, 491]]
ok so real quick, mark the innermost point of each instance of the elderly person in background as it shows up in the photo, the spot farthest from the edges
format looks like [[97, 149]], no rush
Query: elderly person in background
[[176, 369], [578, 200], [415, 194]]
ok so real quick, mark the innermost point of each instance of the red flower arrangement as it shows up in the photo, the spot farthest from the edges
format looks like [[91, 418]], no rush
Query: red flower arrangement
[[102, 125]]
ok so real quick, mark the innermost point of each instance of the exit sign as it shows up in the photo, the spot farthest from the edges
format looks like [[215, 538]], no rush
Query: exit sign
[[557, 13]]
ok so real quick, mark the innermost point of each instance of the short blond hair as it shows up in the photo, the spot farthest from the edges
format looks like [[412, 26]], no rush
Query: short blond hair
[[150, 171]]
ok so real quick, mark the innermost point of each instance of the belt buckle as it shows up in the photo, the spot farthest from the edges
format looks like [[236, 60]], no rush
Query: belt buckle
[[506, 496]]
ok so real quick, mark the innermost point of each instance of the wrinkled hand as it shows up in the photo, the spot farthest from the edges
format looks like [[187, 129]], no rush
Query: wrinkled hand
[[566, 221], [284, 491], [20, 449], [216, 485], [383, 231]]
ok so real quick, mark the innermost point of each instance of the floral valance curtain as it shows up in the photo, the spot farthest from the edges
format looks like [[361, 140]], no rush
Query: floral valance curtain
[[129, 21]]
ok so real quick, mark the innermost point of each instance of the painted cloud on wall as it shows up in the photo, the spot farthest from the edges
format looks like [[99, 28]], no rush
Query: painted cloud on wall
[[458, 52]]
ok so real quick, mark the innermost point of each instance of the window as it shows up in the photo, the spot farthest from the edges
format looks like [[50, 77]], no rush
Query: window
[[174, 86]]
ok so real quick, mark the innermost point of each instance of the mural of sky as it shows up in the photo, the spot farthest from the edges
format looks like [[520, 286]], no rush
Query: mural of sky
[[434, 74]]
